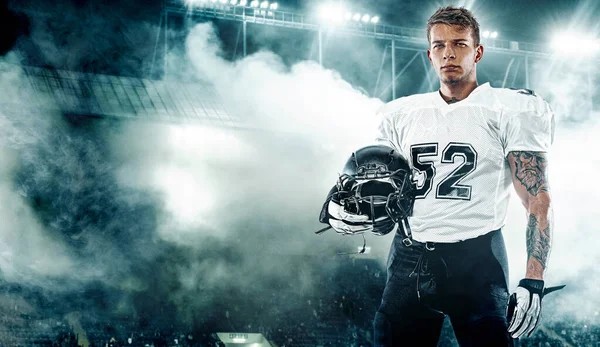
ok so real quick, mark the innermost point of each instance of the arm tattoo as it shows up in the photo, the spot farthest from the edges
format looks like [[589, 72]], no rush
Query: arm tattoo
[[531, 171], [538, 241]]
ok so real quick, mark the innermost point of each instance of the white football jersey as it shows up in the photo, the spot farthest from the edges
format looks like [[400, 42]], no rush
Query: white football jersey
[[458, 155]]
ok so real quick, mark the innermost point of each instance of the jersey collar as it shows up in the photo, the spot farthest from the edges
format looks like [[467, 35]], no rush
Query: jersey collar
[[440, 100]]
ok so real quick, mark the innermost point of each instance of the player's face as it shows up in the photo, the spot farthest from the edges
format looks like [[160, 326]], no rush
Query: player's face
[[453, 53]]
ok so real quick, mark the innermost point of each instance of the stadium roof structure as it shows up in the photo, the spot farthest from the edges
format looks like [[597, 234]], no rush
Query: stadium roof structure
[[401, 39], [97, 95], [378, 30]]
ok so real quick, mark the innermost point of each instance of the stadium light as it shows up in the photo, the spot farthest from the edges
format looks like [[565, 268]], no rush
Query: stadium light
[[335, 14], [247, 339], [326, 11], [575, 44], [233, 2], [224, 1], [489, 34], [331, 13], [264, 4], [254, 3], [273, 6], [243, 2]]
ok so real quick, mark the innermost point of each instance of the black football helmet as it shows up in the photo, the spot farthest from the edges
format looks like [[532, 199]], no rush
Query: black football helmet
[[376, 181]]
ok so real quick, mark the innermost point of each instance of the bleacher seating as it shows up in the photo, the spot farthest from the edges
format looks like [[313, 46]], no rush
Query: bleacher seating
[[339, 313]]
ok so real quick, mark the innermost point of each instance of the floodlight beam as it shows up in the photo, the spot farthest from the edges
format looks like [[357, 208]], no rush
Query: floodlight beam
[[569, 43]]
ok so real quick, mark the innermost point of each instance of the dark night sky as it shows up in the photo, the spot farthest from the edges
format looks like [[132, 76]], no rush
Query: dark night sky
[[516, 20]]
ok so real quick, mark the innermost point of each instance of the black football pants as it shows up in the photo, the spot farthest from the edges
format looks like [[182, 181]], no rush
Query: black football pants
[[468, 281]]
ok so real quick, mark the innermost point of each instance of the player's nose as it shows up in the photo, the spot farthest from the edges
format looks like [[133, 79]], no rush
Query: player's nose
[[449, 53]]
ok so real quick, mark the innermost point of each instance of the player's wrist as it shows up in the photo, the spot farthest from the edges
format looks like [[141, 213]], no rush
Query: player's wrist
[[535, 270], [535, 286], [535, 276]]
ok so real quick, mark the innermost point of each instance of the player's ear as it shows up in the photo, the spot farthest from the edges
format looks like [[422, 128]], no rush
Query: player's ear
[[429, 56], [478, 53]]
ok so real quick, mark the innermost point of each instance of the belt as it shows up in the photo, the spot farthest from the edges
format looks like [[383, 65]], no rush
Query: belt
[[478, 241], [408, 242]]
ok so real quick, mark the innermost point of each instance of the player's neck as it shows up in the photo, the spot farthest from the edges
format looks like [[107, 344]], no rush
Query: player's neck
[[458, 92]]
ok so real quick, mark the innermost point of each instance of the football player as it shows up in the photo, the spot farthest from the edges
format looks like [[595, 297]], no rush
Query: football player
[[466, 145]]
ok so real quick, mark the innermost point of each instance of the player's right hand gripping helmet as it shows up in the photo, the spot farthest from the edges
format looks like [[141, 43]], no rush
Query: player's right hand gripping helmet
[[376, 181]]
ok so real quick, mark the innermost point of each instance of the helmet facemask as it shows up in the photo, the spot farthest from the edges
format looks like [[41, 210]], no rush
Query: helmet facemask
[[381, 195]]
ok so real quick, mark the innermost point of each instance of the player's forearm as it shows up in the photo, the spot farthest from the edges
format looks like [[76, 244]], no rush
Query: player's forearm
[[539, 236]]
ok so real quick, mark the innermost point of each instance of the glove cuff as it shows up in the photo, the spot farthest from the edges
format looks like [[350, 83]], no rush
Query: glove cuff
[[533, 286]]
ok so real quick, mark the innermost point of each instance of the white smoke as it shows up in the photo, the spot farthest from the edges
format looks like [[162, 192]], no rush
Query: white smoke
[[299, 126], [27, 253], [226, 199]]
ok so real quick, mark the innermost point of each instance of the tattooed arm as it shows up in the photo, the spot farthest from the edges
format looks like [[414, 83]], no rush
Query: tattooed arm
[[531, 183]]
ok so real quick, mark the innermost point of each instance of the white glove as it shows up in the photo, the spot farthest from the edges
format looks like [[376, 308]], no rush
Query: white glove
[[525, 306], [344, 222], [527, 309]]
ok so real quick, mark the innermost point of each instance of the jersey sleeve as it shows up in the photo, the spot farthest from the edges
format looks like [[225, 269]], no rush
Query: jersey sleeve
[[387, 133], [531, 129]]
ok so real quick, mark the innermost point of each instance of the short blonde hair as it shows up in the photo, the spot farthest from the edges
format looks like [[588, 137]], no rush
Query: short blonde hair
[[458, 16]]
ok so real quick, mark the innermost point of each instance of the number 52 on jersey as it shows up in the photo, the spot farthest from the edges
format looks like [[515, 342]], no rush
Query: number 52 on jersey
[[425, 155]]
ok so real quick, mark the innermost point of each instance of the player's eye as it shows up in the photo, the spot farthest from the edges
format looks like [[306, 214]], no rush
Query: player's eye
[[461, 44]]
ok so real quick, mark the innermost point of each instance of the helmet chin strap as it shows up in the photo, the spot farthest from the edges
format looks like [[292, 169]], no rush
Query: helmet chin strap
[[364, 246], [320, 231], [362, 251]]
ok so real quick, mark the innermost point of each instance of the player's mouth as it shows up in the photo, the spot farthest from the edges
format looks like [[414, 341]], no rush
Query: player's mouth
[[450, 68]]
